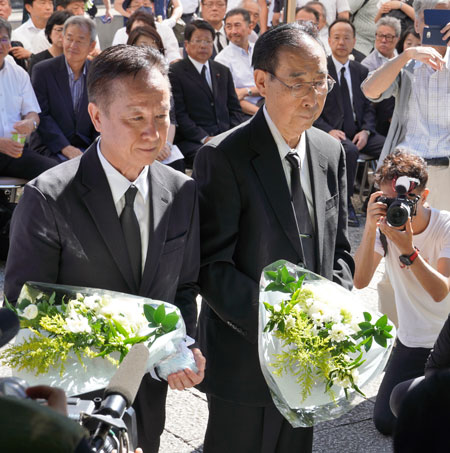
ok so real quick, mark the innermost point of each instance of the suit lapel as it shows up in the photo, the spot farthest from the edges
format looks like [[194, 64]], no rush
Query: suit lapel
[[194, 75], [160, 206], [318, 165], [100, 204], [215, 79], [337, 88], [269, 169], [62, 81]]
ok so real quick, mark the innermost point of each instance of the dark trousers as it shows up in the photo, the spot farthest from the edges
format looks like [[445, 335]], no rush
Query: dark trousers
[[373, 148], [238, 428], [405, 363], [28, 166]]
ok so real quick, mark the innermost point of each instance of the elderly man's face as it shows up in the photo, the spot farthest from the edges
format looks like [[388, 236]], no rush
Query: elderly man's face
[[306, 17], [254, 10], [322, 18], [200, 46], [294, 66], [238, 30], [134, 122], [385, 41], [5, 45], [77, 44], [5, 9]]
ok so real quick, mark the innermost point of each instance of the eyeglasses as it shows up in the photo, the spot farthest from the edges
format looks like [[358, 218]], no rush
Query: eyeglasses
[[388, 38], [202, 41], [4, 40], [212, 4], [300, 90]]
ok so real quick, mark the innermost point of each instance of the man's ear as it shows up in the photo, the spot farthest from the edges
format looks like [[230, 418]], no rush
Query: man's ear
[[92, 45], [95, 114], [28, 7], [261, 81]]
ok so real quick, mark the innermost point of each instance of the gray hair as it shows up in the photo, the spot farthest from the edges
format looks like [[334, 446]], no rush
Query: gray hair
[[391, 22], [243, 2], [315, 2], [82, 21], [421, 5], [5, 25]]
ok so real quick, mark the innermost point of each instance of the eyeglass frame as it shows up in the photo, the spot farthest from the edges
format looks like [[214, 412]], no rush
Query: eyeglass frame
[[330, 84], [198, 42], [5, 40], [388, 38]]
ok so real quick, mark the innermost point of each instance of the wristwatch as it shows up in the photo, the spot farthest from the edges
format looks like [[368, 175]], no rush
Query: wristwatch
[[407, 260], [35, 125]]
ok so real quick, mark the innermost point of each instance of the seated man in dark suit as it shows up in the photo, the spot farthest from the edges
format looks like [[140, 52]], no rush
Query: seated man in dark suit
[[203, 90], [115, 218], [66, 129], [348, 115]]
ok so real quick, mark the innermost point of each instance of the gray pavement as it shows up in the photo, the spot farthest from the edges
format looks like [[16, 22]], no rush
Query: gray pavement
[[354, 432]]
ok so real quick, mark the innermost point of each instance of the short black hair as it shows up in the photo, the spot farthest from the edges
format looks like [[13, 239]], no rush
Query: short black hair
[[341, 21], [236, 11], [57, 18], [5, 25], [149, 32], [309, 10], [409, 31], [65, 3], [267, 47], [198, 24], [143, 16], [119, 62]]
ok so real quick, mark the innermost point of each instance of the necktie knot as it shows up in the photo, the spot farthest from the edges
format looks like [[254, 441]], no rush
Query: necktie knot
[[130, 195], [343, 71], [293, 159]]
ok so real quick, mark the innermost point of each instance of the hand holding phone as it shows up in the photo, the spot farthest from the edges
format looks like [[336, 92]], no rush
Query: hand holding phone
[[435, 21]]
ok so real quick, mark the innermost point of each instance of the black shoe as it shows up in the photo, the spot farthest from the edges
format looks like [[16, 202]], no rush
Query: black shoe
[[352, 219]]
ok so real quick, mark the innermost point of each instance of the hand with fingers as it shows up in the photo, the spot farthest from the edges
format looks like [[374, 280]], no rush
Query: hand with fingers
[[187, 378]]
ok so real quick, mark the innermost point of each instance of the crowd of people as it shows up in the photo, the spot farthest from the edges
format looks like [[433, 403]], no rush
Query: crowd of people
[[271, 119]]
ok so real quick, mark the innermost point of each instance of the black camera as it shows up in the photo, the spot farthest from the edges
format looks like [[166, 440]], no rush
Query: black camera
[[403, 206]]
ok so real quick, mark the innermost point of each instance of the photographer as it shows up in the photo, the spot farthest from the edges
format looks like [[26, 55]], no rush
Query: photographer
[[417, 259]]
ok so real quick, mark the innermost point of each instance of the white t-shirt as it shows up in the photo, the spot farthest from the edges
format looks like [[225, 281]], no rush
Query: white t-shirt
[[420, 318], [169, 40], [17, 97]]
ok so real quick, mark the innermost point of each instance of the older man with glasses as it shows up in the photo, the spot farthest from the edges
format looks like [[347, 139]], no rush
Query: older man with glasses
[[274, 188]]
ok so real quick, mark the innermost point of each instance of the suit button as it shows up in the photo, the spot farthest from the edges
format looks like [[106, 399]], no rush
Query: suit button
[[212, 104]]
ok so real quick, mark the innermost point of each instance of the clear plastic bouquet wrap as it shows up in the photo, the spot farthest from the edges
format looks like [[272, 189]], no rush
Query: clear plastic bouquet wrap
[[319, 344], [75, 337]]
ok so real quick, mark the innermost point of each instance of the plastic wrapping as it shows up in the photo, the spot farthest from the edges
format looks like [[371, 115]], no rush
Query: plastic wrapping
[[286, 392], [96, 373]]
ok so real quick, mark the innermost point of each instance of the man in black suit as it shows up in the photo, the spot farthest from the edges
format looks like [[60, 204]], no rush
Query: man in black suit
[[260, 186], [203, 91], [115, 218], [66, 129], [348, 115]]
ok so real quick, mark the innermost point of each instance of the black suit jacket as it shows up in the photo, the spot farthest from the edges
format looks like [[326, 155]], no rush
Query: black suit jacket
[[66, 230], [247, 222], [332, 116], [60, 125], [201, 112]]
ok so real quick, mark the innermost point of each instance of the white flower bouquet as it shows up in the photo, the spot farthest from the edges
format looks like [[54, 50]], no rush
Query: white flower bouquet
[[318, 347], [76, 337]]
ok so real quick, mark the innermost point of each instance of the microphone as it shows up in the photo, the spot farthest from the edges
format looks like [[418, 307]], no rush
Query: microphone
[[121, 391], [9, 325]]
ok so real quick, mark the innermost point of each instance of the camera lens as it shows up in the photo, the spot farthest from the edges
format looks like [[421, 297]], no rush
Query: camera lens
[[398, 215]]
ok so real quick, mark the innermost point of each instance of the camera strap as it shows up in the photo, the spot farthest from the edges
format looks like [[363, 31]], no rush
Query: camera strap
[[383, 241]]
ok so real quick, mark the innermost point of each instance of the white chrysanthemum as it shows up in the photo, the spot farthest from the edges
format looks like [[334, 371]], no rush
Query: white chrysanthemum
[[290, 322], [343, 382], [317, 307], [333, 316], [78, 324], [317, 318], [309, 302], [91, 302], [338, 332], [30, 312], [277, 308]]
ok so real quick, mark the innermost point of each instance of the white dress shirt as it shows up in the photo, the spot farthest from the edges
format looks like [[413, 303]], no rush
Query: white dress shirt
[[17, 97], [199, 67], [239, 63], [169, 40], [32, 38], [119, 185], [284, 149]]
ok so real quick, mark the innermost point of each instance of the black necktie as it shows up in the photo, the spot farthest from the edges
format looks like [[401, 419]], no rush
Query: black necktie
[[305, 226], [219, 44], [132, 233], [349, 121], [204, 76]]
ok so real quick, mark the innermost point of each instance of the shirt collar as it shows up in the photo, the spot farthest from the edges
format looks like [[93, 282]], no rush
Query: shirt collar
[[338, 65], [241, 50], [69, 69], [119, 184], [383, 58], [30, 25], [198, 65]]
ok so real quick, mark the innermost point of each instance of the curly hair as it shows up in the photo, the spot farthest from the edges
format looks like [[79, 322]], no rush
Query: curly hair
[[402, 163]]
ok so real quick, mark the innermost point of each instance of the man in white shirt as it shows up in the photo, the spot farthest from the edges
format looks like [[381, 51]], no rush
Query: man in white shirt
[[421, 119], [237, 56], [417, 258], [19, 117], [32, 33]]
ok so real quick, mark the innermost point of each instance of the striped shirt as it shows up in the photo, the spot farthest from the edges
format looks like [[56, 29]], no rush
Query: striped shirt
[[76, 86]]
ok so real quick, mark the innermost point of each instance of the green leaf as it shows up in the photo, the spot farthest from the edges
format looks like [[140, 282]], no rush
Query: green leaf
[[149, 312], [281, 326], [367, 316], [271, 275], [365, 325], [170, 321], [51, 301], [285, 275], [381, 340], [160, 314], [120, 328], [134, 340], [368, 344], [8, 305], [23, 304], [386, 334], [382, 322]]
